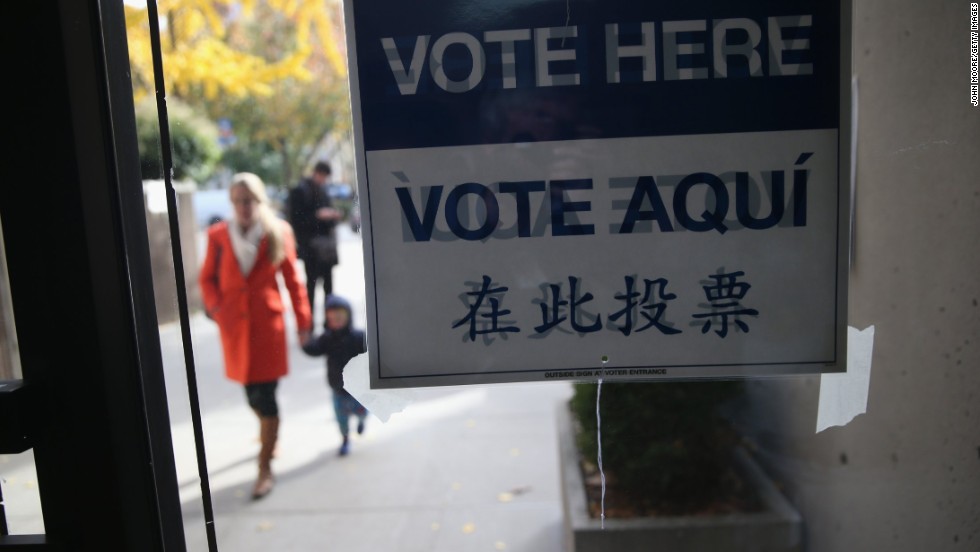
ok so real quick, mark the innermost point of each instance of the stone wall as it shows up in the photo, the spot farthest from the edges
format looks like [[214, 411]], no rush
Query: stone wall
[[161, 258], [161, 261]]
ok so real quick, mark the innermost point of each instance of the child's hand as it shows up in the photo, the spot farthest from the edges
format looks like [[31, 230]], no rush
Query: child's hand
[[304, 337]]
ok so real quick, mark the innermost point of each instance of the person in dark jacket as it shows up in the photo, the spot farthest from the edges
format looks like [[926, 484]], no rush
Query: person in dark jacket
[[313, 218], [340, 342]]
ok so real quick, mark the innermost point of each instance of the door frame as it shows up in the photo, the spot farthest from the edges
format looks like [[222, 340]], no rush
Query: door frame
[[75, 235]]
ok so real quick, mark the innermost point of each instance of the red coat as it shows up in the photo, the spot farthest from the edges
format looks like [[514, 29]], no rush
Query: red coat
[[249, 311]]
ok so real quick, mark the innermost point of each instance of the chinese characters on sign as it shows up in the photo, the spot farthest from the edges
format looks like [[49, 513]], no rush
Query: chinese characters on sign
[[723, 295]]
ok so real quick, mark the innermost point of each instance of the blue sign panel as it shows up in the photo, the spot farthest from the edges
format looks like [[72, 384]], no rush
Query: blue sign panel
[[463, 73]]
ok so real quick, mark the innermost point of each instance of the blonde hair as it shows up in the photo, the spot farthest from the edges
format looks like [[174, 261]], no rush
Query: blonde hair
[[273, 227]]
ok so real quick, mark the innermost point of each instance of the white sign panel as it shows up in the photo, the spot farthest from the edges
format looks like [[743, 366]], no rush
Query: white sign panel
[[657, 187]]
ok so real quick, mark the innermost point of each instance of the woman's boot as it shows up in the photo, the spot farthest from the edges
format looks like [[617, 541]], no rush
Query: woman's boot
[[268, 433]]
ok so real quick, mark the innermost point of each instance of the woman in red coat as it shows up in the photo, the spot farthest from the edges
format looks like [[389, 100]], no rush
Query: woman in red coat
[[241, 294]]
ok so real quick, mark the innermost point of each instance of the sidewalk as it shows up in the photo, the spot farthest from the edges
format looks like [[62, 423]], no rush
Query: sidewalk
[[472, 469], [462, 468]]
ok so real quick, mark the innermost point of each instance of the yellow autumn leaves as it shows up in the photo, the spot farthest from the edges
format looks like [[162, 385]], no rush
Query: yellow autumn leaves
[[201, 54]]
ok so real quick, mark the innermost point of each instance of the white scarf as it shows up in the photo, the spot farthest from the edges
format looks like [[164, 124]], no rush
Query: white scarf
[[245, 246]]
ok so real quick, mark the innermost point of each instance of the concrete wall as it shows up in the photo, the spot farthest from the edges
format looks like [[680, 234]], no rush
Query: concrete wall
[[161, 258], [906, 475], [161, 261]]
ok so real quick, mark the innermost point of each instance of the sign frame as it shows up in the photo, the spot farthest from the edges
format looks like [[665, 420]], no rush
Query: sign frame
[[385, 373]]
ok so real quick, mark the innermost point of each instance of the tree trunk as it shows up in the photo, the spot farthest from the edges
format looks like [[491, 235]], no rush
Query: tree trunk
[[287, 165]]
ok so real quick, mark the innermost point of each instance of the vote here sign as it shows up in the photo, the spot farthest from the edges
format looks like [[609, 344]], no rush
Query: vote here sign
[[545, 184]]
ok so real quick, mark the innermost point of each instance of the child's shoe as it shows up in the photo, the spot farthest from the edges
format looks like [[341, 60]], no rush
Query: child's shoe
[[360, 426], [345, 447]]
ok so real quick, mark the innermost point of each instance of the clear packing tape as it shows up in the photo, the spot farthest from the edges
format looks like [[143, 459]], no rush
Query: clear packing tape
[[844, 396], [380, 402]]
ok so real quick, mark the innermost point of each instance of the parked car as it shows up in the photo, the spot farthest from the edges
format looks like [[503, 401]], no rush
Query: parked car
[[211, 206], [278, 198], [338, 190], [354, 216]]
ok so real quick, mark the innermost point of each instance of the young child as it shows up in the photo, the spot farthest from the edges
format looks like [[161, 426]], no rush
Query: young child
[[340, 342]]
